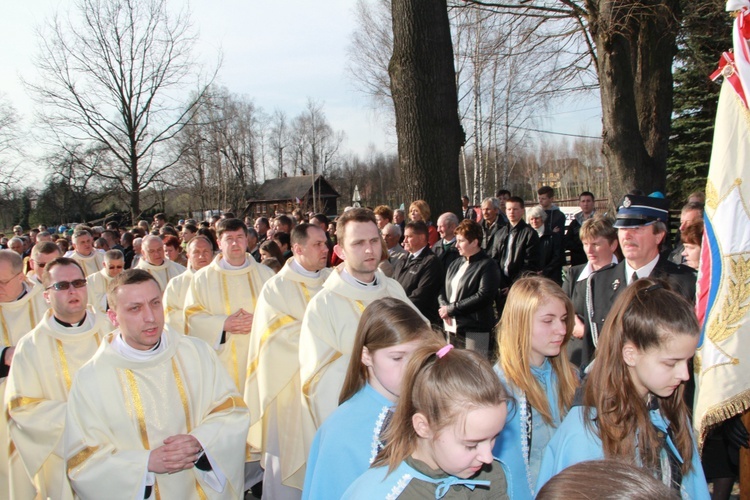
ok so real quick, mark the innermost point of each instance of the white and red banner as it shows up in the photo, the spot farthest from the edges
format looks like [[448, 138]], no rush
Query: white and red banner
[[722, 362]]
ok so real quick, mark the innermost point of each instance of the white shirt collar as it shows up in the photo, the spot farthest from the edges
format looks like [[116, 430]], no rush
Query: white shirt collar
[[348, 278], [132, 354], [587, 270], [643, 272], [229, 267], [418, 252], [301, 270]]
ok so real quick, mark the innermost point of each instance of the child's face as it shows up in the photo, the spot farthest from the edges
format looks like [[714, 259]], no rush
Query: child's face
[[463, 448], [385, 367], [660, 370], [548, 330]]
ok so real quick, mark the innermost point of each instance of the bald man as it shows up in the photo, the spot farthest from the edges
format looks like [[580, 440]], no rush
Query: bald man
[[155, 263]]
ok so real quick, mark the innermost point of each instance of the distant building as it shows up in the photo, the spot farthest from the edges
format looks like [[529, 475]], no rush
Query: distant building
[[288, 193]]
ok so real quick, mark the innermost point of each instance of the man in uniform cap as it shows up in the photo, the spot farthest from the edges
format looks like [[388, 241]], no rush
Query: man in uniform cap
[[642, 227]]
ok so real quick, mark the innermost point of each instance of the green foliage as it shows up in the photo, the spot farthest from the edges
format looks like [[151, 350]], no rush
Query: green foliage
[[706, 33], [25, 209]]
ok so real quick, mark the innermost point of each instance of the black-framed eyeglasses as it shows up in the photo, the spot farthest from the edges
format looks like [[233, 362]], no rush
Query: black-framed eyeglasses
[[64, 285]]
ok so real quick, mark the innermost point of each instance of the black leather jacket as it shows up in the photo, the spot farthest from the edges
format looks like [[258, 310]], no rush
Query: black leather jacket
[[478, 287]]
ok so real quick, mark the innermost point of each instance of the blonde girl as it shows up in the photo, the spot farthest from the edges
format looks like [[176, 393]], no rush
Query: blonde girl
[[633, 407], [537, 323], [347, 442], [439, 444]]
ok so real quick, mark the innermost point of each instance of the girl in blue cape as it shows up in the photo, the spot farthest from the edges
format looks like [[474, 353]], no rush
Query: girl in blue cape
[[633, 407], [347, 442], [439, 444], [537, 323]]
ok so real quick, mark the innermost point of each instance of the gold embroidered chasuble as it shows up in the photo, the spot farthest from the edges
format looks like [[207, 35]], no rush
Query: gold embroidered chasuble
[[272, 390], [174, 300], [326, 341], [17, 318], [119, 409], [91, 264], [44, 364], [216, 293], [97, 290], [162, 273]]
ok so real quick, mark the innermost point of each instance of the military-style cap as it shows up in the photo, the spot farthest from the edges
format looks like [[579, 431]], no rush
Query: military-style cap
[[641, 211]]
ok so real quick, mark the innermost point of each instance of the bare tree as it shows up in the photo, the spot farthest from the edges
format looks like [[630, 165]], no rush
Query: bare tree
[[114, 74], [279, 139], [316, 143], [10, 144], [370, 50], [631, 45]]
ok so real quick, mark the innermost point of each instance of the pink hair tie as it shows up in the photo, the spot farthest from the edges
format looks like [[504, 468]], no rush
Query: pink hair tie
[[444, 350]]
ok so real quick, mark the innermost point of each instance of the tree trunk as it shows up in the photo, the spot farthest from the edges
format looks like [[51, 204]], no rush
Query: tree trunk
[[423, 87], [635, 44]]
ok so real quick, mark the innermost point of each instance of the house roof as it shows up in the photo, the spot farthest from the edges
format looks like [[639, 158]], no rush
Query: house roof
[[289, 188]]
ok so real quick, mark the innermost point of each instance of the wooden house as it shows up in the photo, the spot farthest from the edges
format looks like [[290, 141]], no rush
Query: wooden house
[[289, 193]]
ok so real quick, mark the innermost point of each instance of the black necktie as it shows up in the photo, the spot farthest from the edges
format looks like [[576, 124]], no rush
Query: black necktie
[[634, 277]]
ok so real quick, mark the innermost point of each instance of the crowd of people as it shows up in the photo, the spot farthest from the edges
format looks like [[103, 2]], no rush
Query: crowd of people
[[477, 356]]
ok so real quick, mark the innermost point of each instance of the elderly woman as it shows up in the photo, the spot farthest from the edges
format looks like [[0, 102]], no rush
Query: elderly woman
[[599, 238], [551, 255], [471, 284], [420, 211]]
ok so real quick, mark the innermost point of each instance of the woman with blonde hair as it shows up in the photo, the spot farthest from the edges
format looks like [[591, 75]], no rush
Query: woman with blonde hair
[[633, 403], [536, 324], [419, 210]]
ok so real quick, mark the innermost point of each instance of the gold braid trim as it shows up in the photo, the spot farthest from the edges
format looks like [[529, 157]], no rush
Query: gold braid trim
[[725, 410], [76, 460], [230, 403]]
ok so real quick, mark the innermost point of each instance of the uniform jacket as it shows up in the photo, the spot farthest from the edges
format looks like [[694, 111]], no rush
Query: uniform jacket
[[607, 284]]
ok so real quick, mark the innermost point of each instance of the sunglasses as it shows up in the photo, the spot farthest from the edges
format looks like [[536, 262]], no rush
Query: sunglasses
[[64, 285]]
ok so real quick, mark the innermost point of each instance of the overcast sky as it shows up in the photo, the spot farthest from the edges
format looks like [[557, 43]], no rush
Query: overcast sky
[[279, 53]]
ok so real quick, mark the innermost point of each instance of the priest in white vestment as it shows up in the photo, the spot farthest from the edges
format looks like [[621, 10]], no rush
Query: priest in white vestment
[[272, 389], [153, 414], [84, 252], [22, 306], [200, 251], [44, 364], [114, 264], [155, 262], [332, 317], [220, 303], [42, 253]]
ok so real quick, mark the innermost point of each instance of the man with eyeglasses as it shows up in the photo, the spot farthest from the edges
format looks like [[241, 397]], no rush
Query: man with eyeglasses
[[44, 365], [114, 264], [22, 306], [155, 263], [42, 254]]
